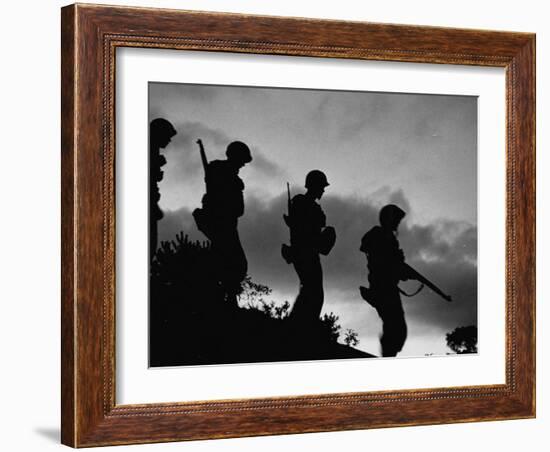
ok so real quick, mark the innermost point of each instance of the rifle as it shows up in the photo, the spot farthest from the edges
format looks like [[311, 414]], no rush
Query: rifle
[[413, 274], [200, 215], [368, 295], [286, 250], [287, 216], [204, 160]]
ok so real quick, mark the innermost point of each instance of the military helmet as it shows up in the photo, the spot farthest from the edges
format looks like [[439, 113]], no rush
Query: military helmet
[[162, 127], [316, 178], [390, 213], [161, 132], [237, 150]]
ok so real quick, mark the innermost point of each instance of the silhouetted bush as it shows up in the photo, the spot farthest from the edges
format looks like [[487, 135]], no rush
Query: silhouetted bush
[[351, 338], [191, 324], [463, 339]]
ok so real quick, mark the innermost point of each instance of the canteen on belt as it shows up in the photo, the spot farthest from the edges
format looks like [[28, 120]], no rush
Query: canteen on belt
[[327, 240]]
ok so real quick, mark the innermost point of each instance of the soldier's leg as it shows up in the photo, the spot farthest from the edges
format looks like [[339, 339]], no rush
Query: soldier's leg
[[401, 328], [216, 244], [230, 261], [394, 336], [317, 294], [386, 340], [236, 268], [299, 307], [220, 239], [309, 301], [394, 326], [240, 263]]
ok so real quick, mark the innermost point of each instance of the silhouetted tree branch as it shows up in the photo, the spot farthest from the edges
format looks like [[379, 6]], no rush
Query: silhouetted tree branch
[[351, 338], [463, 339]]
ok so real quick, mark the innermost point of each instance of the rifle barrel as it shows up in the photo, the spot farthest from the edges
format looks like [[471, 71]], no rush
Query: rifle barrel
[[288, 198], [420, 278], [204, 160]]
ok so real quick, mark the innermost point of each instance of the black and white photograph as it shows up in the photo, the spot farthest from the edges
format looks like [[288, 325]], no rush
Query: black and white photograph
[[296, 224], [235, 225]]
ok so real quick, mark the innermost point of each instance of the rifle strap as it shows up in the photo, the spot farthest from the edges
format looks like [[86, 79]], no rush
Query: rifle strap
[[402, 292]]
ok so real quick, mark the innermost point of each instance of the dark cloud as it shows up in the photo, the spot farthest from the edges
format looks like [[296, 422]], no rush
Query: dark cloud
[[353, 110], [445, 252], [183, 156], [183, 153], [264, 165], [363, 115]]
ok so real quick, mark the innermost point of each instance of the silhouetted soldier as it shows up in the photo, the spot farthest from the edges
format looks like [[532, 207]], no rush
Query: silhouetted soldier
[[309, 237], [385, 263], [161, 132], [223, 204]]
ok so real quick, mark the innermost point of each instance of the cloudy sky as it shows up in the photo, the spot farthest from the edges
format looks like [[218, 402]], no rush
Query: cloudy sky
[[417, 151]]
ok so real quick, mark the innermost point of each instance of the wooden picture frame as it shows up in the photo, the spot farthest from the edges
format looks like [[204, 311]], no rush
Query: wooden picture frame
[[90, 36]]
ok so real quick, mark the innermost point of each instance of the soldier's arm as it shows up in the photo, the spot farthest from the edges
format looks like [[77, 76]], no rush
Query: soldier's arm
[[404, 270], [322, 218], [368, 241], [239, 204], [363, 247]]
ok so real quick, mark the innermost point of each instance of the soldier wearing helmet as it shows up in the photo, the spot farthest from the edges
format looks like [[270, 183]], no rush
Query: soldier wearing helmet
[[161, 133], [309, 237], [223, 204], [385, 261]]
